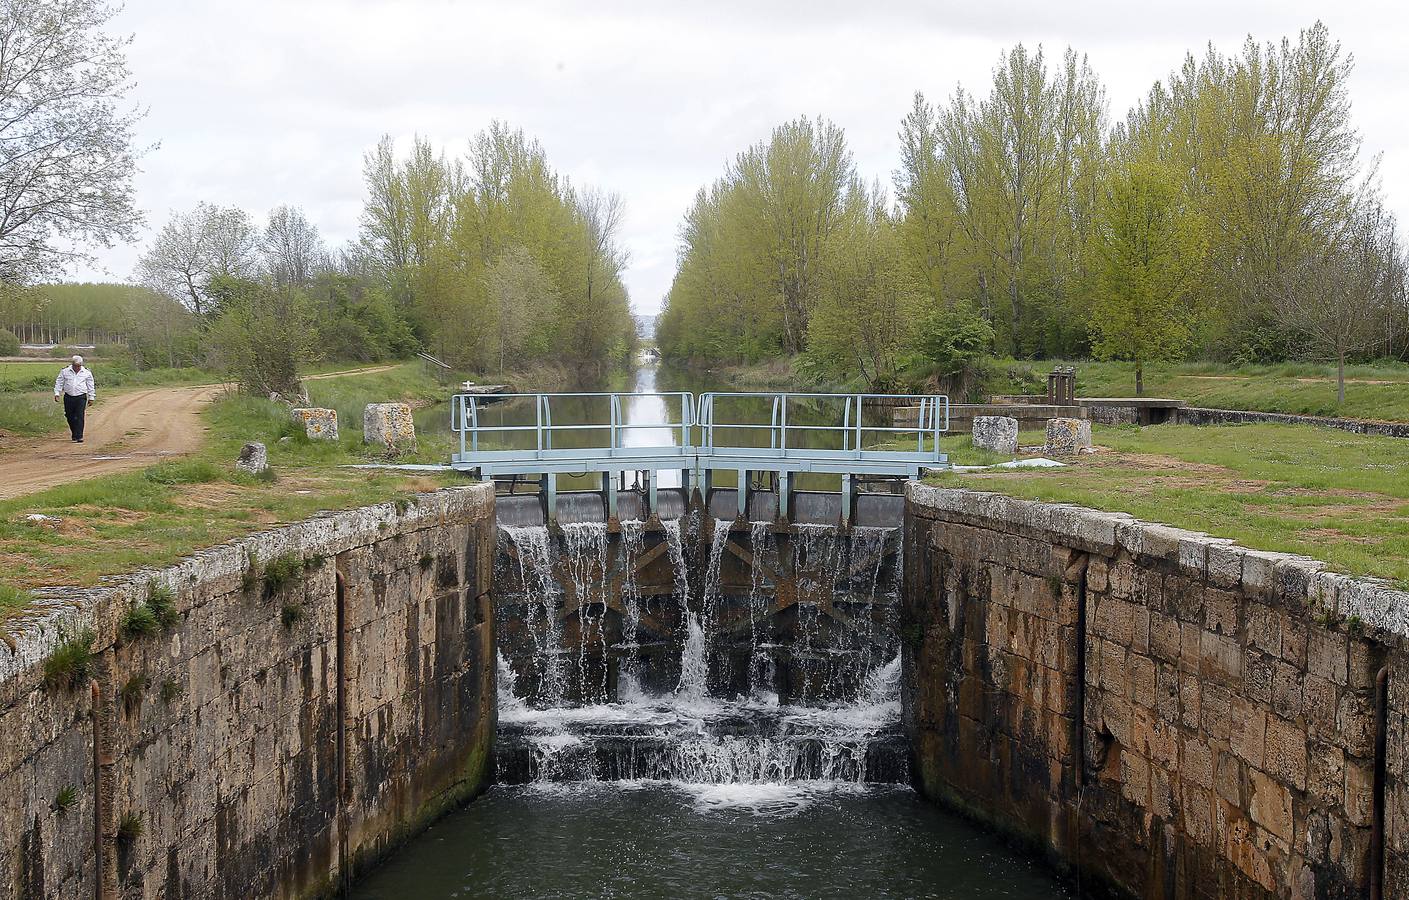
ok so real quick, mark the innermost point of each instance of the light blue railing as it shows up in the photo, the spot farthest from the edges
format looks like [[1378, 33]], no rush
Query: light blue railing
[[703, 434]]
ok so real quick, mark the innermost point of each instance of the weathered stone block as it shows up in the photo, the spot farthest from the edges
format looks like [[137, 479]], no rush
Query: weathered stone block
[[254, 459], [1271, 805], [319, 424], [998, 434], [389, 425], [1066, 437]]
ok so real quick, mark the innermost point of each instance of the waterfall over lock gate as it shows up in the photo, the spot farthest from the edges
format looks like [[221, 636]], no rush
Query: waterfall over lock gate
[[700, 651]]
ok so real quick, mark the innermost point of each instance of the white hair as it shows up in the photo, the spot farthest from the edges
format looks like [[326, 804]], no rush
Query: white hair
[[78, 359]]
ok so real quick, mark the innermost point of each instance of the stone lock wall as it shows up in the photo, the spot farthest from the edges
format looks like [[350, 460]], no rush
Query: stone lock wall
[[280, 735], [1164, 713]]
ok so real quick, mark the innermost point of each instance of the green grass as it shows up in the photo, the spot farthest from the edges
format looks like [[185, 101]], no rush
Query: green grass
[[1339, 497], [1296, 388], [155, 516], [70, 663]]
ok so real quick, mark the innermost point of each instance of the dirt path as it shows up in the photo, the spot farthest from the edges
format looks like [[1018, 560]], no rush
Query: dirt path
[[124, 431]]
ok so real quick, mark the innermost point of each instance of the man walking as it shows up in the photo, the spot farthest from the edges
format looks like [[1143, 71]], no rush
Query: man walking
[[75, 385]]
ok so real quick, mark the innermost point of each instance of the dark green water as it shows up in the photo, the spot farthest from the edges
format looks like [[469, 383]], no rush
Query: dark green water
[[663, 840]]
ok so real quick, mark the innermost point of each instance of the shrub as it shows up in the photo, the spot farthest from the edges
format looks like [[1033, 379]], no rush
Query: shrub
[[9, 343], [281, 572], [64, 800], [139, 621], [291, 614], [162, 602], [70, 662], [129, 827]]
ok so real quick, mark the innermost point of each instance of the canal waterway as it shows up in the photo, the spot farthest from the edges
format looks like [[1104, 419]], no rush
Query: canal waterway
[[665, 840], [681, 774]]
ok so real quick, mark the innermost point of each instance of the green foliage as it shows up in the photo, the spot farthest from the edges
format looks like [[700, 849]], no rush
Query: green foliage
[[184, 471], [9, 343], [496, 259], [953, 338], [357, 319], [129, 827], [140, 621], [755, 245], [161, 600], [170, 690], [64, 800], [282, 571], [132, 691], [291, 613], [70, 662], [261, 336], [1146, 251]]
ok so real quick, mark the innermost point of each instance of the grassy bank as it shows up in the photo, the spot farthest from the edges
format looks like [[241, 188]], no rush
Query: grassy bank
[[1338, 497], [1378, 391], [119, 523]]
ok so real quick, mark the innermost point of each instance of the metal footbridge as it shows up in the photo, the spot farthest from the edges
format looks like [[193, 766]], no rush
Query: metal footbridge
[[850, 435]]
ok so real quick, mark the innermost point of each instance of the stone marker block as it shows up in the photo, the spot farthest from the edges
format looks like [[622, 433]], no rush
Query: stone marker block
[[254, 459], [996, 433], [318, 424], [389, 425], [1067, 436]]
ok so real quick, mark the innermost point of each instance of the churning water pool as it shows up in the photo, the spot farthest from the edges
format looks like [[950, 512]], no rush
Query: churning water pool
[[672, 840]]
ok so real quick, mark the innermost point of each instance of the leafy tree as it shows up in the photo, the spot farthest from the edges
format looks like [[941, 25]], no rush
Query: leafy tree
[[66, 154], [9, 343], [293, 252], [1335, 292], [523, 296], [1146, 255], [754, 246], [953, 338], [261, 336], [196, 248], [355, 319], [864, 316]]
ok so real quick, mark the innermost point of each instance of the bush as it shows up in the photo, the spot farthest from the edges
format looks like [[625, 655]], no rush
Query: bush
[[140, 621], [9, 343], [70, 662]]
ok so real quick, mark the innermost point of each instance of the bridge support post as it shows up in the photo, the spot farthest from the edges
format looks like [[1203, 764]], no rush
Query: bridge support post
[[550, 496], [783, 505], [848, 494], [650, 492], [609, 494], [743, 493]]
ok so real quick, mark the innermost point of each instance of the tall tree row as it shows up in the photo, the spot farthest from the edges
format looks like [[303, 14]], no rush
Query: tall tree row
[[496, 259], [1211, 221]]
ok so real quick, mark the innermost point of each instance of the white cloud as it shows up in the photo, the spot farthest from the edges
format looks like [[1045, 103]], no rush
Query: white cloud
[[262, 102]]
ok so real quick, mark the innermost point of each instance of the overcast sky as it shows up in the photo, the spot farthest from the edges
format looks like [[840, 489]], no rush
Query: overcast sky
[[260, 102]]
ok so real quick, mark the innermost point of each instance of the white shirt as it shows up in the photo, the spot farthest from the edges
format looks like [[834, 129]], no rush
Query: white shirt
[[74, 384]]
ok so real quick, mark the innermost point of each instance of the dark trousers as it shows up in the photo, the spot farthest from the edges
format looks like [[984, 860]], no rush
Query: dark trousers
[[74, 408]]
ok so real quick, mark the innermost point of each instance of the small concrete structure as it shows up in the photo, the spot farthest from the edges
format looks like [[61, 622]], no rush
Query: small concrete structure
[[1066, 437], [254, 459], [998, 434], [319, 424], [389, 425]]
